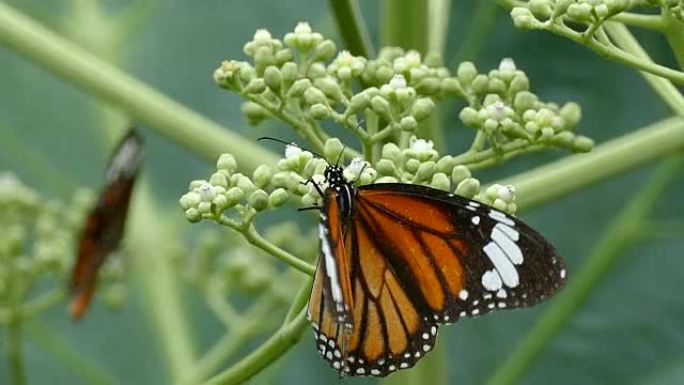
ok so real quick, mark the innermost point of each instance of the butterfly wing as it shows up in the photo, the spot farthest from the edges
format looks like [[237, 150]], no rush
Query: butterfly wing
[[473, 258], [383, 330], [105, 223]]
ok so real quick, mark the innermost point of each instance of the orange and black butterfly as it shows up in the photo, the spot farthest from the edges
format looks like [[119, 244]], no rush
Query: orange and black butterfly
[[397, 260], [105, 223]]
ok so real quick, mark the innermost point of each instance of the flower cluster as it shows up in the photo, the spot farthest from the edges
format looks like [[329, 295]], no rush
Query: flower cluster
[[506, 111], [583, 11], [304, 77], [299, 171]]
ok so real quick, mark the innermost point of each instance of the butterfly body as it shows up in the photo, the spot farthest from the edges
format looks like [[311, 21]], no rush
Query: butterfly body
[[397, 260]]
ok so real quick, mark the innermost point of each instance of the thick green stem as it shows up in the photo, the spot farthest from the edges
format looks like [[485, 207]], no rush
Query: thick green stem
[[14, 351], [62, 351], [674, 32], [610, 52], [481, 25], [104, 81], [438, 25], [667, 91], [559, 178], [405, 24], [351, 26], [619, 235], [152, 246], [652, 22], [286, 337]]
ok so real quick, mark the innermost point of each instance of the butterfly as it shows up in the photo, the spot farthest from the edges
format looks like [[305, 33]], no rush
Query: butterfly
[[104, 225], [398, 260]]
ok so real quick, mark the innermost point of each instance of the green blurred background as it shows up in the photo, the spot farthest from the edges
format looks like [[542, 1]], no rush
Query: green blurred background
[[630, 332]]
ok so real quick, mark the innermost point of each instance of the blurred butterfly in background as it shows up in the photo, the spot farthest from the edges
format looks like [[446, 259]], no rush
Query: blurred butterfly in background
[[105, 223], [397, 260]]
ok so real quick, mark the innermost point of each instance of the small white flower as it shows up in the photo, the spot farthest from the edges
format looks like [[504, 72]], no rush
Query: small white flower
[[497, 111], [412, 59], [292, 150], [397, 82], [507, 193], [206, 192], [262, 35], [507, 65], [302, 27], [356, 165], [422, 145]]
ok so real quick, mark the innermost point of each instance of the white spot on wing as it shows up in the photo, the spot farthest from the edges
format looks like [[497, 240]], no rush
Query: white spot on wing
[[475, 220], [506, 244], [500, 217], [463, 294], [503, 265], [331, 268], [491, 280]]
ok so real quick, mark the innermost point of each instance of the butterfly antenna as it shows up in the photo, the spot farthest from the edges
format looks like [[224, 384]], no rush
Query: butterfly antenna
[[292, 144]]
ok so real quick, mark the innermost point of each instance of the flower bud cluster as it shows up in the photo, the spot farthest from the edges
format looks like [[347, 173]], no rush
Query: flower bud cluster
[[304, 76], [500, 197], [509, 111], [228, 188], [535, 13]]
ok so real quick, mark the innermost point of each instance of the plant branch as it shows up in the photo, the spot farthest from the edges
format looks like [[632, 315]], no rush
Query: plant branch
[[286, 337], [667, 91], [252, 236], [351, 26], [146, 105], [597, 266], [608, 51], [559, 178], [438, 25], [652, 22], [62, 351]]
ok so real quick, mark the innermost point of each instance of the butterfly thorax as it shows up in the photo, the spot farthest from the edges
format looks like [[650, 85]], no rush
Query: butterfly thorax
[[344, 191]]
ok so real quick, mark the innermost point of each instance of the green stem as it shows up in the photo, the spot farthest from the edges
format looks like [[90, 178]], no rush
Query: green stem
[[62, 351], [43, 302], [608, 51], [286, 337], [667, 91], [253, 237], [405, 24], [481, 24], [152, 244], [562, 177], [300, 301], [15, 292], [232, 340], [14, 350], [652, 22], [608, 251], [674, 32], [351, 26], [104, 81], [438, 25]]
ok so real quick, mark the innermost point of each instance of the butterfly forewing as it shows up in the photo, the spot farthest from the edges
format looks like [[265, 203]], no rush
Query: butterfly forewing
[[503, 262]]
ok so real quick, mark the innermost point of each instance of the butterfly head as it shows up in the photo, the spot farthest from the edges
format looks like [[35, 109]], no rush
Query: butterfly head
[[334, 175]]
